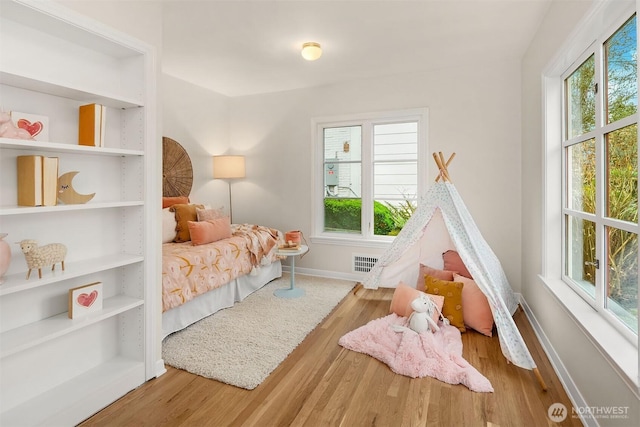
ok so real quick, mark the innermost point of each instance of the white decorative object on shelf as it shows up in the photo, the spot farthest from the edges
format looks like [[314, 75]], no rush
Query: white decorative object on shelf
[[42, 256]]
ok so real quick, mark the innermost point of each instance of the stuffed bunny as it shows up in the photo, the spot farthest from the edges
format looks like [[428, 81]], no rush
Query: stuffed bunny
[[421, 320]]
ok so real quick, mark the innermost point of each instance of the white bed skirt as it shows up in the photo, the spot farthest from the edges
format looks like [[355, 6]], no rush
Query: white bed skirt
[[223, 297]]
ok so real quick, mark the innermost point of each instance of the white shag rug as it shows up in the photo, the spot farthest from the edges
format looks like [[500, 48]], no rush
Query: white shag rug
[[243, 344]]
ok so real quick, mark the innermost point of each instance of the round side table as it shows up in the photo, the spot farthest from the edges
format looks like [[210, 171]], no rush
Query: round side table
[[291, 291]]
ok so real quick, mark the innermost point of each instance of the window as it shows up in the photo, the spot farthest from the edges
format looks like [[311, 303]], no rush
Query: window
[[369, 173], [600, 177]]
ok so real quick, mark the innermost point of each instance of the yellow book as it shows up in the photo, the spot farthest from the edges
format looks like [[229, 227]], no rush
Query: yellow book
[[91, 124], [29, 180], [49, 181]]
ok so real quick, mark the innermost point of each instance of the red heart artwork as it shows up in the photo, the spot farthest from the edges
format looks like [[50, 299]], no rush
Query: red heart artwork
[[33, 128], [86, 300]]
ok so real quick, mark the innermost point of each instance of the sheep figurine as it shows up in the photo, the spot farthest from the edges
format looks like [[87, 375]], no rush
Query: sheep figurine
[[42, 256]]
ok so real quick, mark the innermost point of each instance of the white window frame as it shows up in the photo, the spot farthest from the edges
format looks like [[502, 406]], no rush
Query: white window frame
[[366, 120], [620, 347]]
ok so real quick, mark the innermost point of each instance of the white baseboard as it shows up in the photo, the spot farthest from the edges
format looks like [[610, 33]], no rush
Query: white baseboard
[[561, 371], [328, 274]]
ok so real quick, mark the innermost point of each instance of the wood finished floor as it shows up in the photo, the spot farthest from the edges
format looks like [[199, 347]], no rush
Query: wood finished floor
[[323, 384]]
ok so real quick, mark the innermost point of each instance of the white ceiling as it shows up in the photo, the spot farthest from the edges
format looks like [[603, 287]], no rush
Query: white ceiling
[[239, 47]]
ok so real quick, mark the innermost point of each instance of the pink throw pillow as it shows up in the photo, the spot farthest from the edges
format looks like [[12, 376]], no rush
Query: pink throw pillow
[[453, 262], [425, 270], [203, 232], [405, 294], [475, 307], [209, 214], [167, 202]]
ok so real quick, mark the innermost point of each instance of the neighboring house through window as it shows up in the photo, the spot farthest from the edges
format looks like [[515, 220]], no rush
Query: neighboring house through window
[[369, 175]]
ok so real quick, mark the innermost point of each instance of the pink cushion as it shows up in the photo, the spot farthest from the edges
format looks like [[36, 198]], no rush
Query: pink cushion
[[203, 232], [208, 214], [405, 294], [167, 202], [425, 270], [453, 262], [475, 307]]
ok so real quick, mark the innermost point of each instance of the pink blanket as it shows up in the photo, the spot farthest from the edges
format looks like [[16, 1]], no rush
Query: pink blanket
[[437, 355]]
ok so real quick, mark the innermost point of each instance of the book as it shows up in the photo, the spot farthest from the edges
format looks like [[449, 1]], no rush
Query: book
[[29, 180], [37, 181], [49, 181], [91, 125]]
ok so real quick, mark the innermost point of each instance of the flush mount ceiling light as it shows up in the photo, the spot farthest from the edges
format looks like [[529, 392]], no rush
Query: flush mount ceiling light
[[311, 51]]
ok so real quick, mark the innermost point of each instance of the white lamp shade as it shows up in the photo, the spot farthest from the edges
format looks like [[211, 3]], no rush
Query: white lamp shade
[[228, 167], [311, 51]]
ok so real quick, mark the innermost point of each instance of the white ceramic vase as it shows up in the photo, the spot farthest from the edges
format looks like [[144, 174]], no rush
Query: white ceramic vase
[[5, 256]]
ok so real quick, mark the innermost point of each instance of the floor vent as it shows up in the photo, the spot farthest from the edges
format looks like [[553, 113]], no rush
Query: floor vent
[[363, 263]]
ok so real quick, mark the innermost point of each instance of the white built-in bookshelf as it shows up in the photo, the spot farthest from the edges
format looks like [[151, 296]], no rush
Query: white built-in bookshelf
[[55, 370]]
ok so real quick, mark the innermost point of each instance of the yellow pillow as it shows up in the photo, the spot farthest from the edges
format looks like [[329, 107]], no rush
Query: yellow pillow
[[184, 214], [452, 293]]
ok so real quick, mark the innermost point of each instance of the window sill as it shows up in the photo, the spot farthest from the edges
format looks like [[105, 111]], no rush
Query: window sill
[[351, 241], [617, 349]]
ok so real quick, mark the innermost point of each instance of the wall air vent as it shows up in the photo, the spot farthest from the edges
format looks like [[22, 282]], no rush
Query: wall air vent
[[363, 263]]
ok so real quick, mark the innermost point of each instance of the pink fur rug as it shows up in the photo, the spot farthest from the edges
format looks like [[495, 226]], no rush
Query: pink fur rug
[[437, 355]]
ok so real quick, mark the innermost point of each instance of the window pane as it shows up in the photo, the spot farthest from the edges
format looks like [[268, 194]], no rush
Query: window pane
[[581, 99], [621, 85], [395, 175], [342, 199], [343, 143], [581, 176], [395, 141], [622, 277], [581, 253], [622, 174]]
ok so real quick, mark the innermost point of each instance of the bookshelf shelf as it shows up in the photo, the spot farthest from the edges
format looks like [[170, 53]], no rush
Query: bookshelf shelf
[[33, 334], [23, 210], [53, 147], [56, 370]]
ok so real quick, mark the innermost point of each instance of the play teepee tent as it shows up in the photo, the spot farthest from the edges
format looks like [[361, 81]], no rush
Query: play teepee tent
[[442, 222]]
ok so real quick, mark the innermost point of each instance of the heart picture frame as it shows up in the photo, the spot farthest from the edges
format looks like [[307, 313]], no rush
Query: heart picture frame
[[37, 125], [85, 300]]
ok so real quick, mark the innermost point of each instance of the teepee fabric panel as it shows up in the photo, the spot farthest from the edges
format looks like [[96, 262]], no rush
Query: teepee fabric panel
[[474, 251]]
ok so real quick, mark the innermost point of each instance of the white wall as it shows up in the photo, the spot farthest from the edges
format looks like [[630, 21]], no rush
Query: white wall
[[198, 119], [594, 378], [473, 110]]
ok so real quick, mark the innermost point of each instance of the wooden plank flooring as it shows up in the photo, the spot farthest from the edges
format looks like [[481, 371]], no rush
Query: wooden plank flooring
[[323, 384]]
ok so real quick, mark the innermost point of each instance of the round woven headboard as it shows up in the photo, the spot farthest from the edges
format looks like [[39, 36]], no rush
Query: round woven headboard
[[177, 172]]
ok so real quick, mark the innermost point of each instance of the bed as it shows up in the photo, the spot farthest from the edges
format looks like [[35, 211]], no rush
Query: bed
[[207, 263], [198, 280]]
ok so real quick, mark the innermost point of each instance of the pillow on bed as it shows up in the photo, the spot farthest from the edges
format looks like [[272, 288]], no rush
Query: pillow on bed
[[453, 262], [405, 294], [433, 272], [207, 214], [475, 307], [452, 293], [203, 232], [168, 225], [167, 202], [184, 214]]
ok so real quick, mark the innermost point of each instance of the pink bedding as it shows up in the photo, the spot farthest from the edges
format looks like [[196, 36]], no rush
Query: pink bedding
[[189, 271], [438, 355]]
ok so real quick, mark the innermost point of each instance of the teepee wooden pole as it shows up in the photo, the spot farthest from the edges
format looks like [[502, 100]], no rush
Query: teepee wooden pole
[[439, 159], [446, 165], [540, 379]]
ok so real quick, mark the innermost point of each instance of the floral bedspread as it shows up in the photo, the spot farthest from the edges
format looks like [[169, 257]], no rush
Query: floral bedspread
[[188, 271]]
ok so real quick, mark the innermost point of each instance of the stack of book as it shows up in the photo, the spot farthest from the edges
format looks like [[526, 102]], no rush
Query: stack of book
[[37, 181], [91, 125]]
